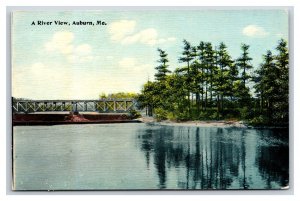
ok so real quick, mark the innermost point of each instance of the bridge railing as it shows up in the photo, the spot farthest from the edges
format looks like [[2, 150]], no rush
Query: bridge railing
[[100, 105]]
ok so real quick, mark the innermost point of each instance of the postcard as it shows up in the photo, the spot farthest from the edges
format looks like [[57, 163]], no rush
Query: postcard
[[150, 99]]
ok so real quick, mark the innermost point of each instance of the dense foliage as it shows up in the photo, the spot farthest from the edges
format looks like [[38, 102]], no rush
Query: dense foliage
[[118, 95], [212, 85]]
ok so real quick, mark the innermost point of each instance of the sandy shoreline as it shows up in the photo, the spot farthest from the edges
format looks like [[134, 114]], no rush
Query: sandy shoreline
[[213, 123]]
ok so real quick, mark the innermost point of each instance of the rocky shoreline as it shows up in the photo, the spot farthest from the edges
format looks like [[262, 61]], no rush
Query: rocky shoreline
[[211, 123], [208, 123]]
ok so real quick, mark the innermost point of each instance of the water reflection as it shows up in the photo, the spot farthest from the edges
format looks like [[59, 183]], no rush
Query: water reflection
[[215, 158], [272, 160]]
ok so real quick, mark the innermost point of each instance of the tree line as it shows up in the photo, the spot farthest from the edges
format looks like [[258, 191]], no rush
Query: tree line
[[211, 85]]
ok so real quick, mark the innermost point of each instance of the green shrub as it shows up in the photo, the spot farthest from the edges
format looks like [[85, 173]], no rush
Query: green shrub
[[171, 116], [214, 116], [182, 116], [160, 114], [133, 114], [259, 121], [209, 114]]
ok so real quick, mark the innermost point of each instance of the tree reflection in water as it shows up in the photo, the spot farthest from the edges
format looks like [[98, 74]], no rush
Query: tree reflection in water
[[273, 160], [214, 158]]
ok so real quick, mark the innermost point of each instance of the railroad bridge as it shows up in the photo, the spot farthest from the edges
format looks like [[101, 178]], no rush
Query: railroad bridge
[[101, 105]]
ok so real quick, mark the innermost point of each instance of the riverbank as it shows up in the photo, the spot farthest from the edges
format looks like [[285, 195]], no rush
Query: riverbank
[[70, 118], [211, 123]]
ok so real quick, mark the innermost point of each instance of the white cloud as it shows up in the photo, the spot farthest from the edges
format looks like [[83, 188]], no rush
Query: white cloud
[[124, 32], [147, 36], [120, 29], [40, 81], [62, 43], [70, 79], [255, 31], [60, 81]]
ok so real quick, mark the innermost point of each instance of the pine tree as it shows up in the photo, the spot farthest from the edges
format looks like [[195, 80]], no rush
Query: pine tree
[[187, 56], [224, 63], [272, 85], [219, 81], [243, 62], [194, 73], [233, 78], [162, 69], [281, 104], [202, 66], [210, 65], [264, 84]]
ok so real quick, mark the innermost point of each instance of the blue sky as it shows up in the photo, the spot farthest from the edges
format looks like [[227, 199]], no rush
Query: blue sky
[[80, 62]]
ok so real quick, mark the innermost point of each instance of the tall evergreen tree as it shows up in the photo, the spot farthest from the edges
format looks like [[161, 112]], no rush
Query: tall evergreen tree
[[282, 99], [202, 66], [224, 63], [264, 83], [194, 73], [210, 65], [243, 62], [187, 56], [272, 85], [233, 77], [219, 81], [162, 68]]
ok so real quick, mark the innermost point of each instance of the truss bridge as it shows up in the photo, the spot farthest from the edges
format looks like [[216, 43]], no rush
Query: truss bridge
[[100, 105]]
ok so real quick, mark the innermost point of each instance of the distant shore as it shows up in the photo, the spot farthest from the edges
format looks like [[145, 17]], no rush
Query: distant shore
[[211, 123]]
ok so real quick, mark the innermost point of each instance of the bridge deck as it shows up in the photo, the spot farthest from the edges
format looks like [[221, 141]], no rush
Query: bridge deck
[[100, 105]]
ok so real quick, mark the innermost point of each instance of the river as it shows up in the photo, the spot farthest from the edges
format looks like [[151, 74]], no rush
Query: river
[[141, 156]]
